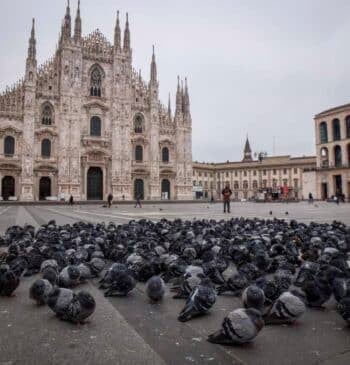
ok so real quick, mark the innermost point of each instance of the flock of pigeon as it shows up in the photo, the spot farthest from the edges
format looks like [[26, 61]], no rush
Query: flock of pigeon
[[278, 268]]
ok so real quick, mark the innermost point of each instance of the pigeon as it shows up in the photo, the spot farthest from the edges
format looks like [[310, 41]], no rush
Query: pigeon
[[253, 297], [109, 275], [191, 279], [123, 283], [69, 276], [9, 281], [341, 288], [50, 274], [343, 308], [318, 291], [235, 284], [239, 327], [155, 288], [200, 301], [40, 291], [270, 212], [287, 309], [286, 213], [72, 307]]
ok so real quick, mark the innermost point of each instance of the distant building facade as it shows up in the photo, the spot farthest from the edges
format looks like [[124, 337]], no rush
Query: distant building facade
[[332, 131], [86, 124], [268, 178]]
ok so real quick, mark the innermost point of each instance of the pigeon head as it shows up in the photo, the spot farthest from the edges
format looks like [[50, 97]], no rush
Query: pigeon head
[[73, 272], [86, 300]]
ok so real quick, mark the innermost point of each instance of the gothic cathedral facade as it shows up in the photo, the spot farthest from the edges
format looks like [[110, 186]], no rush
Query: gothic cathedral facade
[[86, 124]]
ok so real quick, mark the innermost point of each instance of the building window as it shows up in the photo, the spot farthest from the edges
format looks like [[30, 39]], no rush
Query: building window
[[47, 115], [284, 171], [199, 174], [211, 185], [274, 171], [295, 170], [236, 173], [264, 183], [254, 172], [200, 183], [285, 182], [336, 129], [337, 156], [245, 173], [236, 195], [45, 148], [323, 132], [194, 182], [236, 185], [9, 146], [138, 124], [347, 126], [95, 126], [264, 172], [295, 183], [165, 154], [206, 184], [245, 184], [96, 82], [324, 157], [139, 153], [218, 175], [205, 174], [226, 174], [274, 183], [255, 184]]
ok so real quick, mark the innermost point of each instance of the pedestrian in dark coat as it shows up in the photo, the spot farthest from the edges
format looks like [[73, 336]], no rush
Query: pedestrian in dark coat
[[226, 195]]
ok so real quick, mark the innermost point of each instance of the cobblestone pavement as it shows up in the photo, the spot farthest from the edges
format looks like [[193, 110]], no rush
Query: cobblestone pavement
[[133, 331]]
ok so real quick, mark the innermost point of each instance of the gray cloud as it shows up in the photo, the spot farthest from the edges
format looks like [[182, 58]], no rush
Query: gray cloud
[[257, 67]]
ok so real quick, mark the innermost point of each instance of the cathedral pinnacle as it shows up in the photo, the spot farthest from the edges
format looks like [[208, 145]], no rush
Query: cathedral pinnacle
[[153, 67], [117, 34], [169, 108], [67, 28], [247, 155], [178, 109], [77, 27], [32, 44], [186, 99], [126, 44]]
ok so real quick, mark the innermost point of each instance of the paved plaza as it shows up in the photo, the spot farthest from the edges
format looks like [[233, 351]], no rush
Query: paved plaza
[[133, 331]]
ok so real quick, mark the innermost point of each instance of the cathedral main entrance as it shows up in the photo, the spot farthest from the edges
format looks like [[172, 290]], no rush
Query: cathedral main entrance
[[165, 189], [139, 189], [8, 187], [95, 184], [44, 188]]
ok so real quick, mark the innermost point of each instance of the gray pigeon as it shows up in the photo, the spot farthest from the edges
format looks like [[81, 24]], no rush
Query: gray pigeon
[[200, 301], [287, 309], [49, 263], [155, 288], [239, 327], [72, 307], [40, 291], [189, 281], [253, 297], [69, 276], [123, 282]]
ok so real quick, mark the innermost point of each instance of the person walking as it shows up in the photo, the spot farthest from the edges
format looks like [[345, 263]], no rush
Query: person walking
[[226, 195], [109, 200], [71, 200], [311, 198], [138, 200]]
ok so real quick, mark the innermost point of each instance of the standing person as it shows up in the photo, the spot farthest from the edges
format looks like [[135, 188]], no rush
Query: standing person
[[138, 200], [109, 200], [226, 195], [71, 200], [311, 198]]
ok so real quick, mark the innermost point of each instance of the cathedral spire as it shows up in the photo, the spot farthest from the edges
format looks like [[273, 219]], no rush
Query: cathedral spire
[[67, 28], [77, 26], [178, 109], [247, 155], [186, 99], [169, 108], [126, 44], [31, 57], [153, 68], [117, 34]]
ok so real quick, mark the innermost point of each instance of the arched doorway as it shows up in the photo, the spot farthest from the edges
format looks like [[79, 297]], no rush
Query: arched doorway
[[44, 187], [8, 187], [95, 184], [139, 188], [165, 189]]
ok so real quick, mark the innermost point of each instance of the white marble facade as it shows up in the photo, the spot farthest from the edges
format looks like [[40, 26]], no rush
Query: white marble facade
[[86, 124]]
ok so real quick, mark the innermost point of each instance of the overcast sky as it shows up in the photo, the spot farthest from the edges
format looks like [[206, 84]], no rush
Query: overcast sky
[[262, 68]]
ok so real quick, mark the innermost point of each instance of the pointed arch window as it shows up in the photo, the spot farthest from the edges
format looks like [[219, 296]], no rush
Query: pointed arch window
[[95, 126], [138, 124], [45, 148], [47, 115], [9, 146], [96, 82], [139, 153], [165, 154]]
